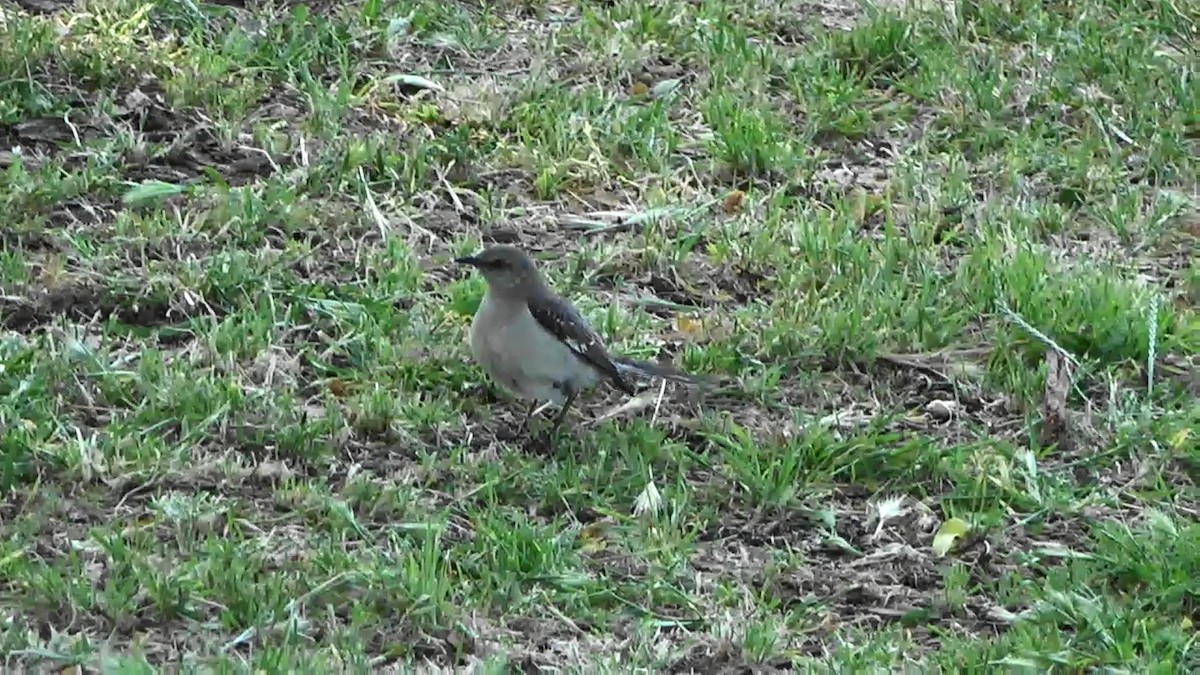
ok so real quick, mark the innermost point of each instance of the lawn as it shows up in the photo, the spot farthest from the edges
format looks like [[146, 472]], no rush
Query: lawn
[[943, 260]]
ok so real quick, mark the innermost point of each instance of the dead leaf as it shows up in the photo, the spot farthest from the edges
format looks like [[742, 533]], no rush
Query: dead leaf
[[273, 470], [940, 409], [733, 202], [408, 81], [886, 509], [666, 87], [137, 99], [689, 327], [642, 401], [1055, 416], [337, 388], [859, 204], [592, 537], [947, 534], [649, 502], [1180, 437], [999, 614]]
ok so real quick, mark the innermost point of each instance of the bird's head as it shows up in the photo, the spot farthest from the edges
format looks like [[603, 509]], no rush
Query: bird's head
[[507, 269]]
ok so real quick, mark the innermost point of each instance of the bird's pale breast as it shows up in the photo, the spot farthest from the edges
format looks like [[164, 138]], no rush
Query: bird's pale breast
[[514, 349]]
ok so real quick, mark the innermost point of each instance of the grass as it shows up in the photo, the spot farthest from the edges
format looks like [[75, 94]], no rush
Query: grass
[[940, 253]]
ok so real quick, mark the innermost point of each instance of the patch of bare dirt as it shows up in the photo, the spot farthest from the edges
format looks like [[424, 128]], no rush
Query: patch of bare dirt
[[45, 6], [172, 145], [85, 302], [693, 282], [81, 303], [726, 658], [877, 573]]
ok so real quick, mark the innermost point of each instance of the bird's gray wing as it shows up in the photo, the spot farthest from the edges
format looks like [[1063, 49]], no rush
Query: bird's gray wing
[[562, 321]]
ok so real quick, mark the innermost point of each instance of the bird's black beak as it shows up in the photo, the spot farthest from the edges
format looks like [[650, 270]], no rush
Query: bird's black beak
[[471, 260]]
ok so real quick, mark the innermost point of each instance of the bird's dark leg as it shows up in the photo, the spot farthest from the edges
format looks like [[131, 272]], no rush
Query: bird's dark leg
[[546, 442], [562, 414]]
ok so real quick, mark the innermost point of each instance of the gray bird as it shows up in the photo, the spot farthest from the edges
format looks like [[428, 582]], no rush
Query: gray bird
[[535, 343]]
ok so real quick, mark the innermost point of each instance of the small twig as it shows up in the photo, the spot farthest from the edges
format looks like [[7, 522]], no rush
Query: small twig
[[639, 402], [662, 390], [66, 659], [565, 619], [478, 488], [1016, 318], [477, 73], [264, 153], [659, 303], [380, 221], [592, 225], [1151, 355], [142, 487], [458, 205], [649, 612], [913, 365]]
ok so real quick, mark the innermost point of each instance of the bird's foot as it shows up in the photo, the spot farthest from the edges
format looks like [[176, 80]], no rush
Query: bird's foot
[[539, 443]]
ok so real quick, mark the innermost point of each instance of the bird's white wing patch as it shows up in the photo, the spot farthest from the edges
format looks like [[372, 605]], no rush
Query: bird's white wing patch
[[562, 321]]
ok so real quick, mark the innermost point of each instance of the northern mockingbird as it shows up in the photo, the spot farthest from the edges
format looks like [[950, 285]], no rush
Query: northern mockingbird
[[535, 343]]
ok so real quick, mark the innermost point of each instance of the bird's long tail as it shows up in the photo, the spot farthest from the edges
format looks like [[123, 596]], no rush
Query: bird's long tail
[[647, 369]]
